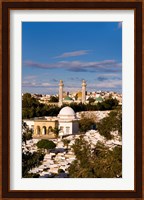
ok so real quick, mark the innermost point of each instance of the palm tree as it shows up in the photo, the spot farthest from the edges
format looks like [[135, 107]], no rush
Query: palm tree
[[56, 131]]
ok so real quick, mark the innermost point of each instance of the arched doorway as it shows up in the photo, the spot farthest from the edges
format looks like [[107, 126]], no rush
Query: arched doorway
[[49, 129], [44, 130], [38, 130]]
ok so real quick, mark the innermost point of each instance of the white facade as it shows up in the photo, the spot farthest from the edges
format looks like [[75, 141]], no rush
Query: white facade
[[68, 122]]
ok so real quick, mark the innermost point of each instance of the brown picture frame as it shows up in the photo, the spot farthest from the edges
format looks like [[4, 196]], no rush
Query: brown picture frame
[[5, 170]]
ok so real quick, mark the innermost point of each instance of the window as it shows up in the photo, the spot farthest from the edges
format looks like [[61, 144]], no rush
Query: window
[[67, 130]]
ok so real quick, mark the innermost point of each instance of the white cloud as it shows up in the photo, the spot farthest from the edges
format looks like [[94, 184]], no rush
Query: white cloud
[[73, 54], [37, 84], [30, 77], [78, 66], [109, 84]]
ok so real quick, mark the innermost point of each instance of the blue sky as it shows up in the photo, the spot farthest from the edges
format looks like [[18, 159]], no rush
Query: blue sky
[[71, 51]]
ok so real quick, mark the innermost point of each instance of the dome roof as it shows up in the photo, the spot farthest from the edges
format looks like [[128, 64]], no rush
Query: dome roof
[[67, 98], [67, 111], [99, 98], [79, 94]]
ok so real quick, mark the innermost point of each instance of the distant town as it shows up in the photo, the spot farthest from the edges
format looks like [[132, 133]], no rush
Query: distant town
[[75, 97]]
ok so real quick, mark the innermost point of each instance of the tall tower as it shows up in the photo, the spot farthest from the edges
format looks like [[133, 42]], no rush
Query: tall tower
[[84, 91], [61, 92]]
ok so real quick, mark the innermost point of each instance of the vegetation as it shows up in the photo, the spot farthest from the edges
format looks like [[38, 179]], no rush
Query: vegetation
[[109, 160], [32, 108], [56, 131], [60, 171], [86, 123], [27, 133], [91, 100], [108, 104], [54, 99], [29, 161], [99, 163], [29, 106], [66, 142], [46, 144], [113, 122]]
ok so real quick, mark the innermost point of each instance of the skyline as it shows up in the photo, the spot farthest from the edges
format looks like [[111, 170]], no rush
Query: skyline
[[71, 51]]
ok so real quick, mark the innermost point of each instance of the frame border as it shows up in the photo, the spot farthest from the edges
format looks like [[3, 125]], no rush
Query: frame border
[[6, 6]]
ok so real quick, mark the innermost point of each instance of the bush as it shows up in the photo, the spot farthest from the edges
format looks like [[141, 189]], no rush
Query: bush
[[46, 144]]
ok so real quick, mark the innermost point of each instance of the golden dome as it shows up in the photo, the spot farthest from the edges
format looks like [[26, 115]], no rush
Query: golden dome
[[79, 95]]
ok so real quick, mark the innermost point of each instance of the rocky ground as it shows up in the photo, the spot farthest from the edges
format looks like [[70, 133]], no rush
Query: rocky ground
[[61, 157]]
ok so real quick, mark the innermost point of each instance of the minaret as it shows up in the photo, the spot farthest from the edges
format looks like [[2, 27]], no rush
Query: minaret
[[61, 93], [84, 91]]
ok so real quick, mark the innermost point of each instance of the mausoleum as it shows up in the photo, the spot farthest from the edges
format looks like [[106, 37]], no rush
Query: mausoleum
[[68, 122]]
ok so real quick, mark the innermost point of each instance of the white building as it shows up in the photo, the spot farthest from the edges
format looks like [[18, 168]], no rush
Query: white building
[[68, 122]]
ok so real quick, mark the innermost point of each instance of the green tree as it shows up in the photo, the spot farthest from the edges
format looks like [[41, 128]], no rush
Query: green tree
[[53, 99], [81, 167], [108, 162], [29, 161], [91, 100], [56, 131], [86, 123], [100, 163], [46, 144], [29, 106], [26, 132], [110, 104], [32, 108], [113, 122]]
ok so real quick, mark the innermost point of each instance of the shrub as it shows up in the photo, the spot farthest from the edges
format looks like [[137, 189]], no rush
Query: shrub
[[46, 144]]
